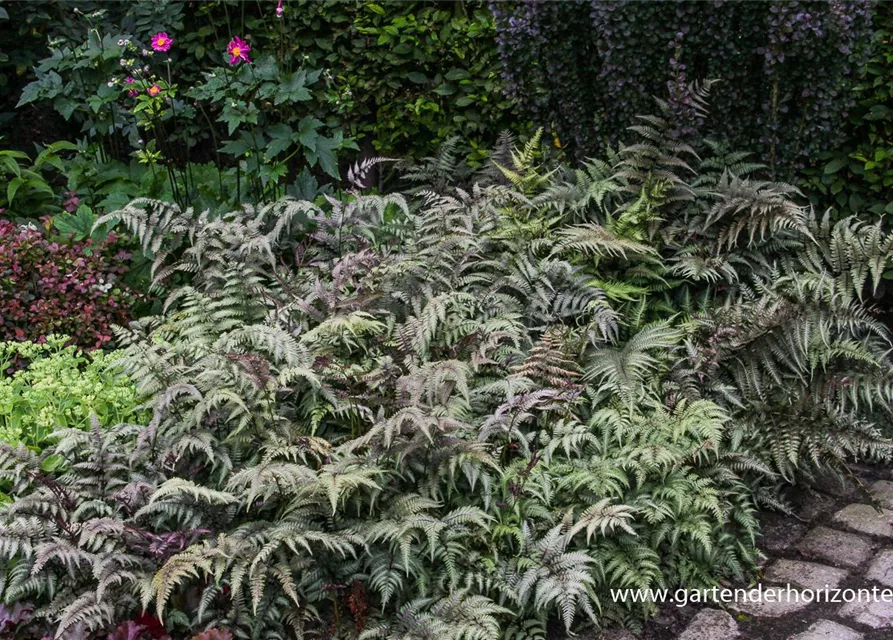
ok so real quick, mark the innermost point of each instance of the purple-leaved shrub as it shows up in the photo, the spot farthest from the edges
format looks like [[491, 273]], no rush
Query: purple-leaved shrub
[[52, 286], [786, 69]]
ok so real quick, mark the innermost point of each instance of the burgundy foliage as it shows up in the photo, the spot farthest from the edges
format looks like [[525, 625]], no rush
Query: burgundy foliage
[[71, 288], [145, 627]]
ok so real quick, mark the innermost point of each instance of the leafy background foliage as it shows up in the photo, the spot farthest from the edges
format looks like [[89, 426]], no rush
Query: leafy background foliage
[[417, 73], [208, 111], [396, 78], [786, 69], [857, 177], [464, 413], [404, 76], [28, 188]]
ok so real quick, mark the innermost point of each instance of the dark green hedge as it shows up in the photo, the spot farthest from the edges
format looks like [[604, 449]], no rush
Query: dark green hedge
[[857, 177]]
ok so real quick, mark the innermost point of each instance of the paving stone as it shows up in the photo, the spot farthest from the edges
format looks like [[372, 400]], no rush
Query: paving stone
[[827, 630], [882, 491], [837, 547], [774, 603], [876, 614], [881, 569], [711, 624], [867, 519], [807, 575]]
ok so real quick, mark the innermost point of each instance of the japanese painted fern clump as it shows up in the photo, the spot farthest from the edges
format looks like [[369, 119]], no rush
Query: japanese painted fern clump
[[461, 414]]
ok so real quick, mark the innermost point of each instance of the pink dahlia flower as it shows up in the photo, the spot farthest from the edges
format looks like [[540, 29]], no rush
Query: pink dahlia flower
[[238, 50], [161, 41]]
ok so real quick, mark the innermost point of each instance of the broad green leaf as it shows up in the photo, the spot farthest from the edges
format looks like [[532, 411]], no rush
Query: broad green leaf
[[235, 148], [325, 156], [278, 145], [307, 134], [293, 89], [836, 165], [30, 93], [13, 187], [79, 224]]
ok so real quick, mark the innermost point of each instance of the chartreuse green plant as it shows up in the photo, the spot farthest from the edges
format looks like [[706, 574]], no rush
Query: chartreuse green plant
[[461, 414], [53, 385]]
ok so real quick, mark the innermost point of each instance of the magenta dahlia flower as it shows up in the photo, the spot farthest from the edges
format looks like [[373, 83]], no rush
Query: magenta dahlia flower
[[238, 50], [161, 41], [154, 90]]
